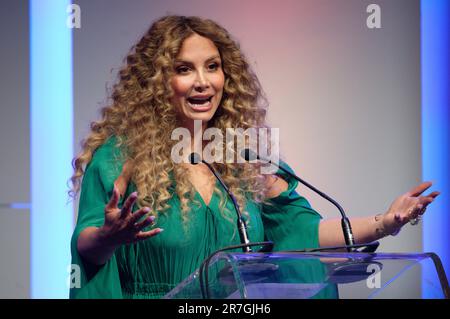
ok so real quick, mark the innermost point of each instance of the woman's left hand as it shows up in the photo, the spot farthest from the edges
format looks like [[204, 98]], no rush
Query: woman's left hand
[[407, 207]]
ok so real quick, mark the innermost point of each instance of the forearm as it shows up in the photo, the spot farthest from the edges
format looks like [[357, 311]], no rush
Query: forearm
[[365, 230], [92, 247]]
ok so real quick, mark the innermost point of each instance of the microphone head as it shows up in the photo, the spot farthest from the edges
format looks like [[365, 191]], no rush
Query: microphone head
[[249, 155], [194, 158]]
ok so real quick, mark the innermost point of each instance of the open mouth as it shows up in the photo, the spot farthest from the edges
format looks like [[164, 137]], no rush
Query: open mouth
[[199, 103]]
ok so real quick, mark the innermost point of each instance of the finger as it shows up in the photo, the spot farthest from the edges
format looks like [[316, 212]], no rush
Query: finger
[[430, 198], [425, 201], [124, 178], [433, 194], [146, 222], [416, 191], [422, 211], [114, 200], [147, 234], [127, 207], [139, 214], [416, 211]]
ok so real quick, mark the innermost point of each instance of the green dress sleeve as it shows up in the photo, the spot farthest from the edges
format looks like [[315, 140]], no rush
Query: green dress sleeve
[[98, 180], [289, 221], [292, 224]]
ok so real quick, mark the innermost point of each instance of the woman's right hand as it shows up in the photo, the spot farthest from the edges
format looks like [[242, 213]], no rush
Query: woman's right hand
[[122, 226]]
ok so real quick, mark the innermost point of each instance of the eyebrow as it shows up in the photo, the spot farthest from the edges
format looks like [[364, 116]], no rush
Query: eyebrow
[[187, 62]]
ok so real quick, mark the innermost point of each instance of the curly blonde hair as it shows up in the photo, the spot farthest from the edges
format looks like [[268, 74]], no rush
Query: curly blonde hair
[[142, 117]]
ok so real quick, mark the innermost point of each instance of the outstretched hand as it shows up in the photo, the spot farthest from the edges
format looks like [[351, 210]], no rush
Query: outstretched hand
[[122, 226], [408, 208]]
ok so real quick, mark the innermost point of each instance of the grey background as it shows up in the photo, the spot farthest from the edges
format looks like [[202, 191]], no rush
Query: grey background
[[14, 146], [346, 99]]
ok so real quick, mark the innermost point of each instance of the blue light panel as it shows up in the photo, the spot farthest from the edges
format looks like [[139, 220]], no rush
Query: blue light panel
[[51, 147], [435, 130]]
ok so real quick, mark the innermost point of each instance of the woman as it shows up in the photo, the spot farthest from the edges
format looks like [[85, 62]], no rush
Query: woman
[[185, 69]]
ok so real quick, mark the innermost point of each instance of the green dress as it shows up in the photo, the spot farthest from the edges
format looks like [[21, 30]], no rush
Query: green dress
[[151, 268]]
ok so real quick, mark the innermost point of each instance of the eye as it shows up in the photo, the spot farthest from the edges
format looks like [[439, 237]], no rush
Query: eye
[[182, 69], [213, 66]]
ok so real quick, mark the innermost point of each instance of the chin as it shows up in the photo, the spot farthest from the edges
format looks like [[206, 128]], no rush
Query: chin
[[199, 116]]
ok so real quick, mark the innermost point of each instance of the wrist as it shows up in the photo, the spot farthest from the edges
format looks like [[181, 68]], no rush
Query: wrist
[[381, 229], [104, 239]]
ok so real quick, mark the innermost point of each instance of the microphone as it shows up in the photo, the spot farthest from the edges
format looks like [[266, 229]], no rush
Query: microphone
[[250, 155], [241, 225]]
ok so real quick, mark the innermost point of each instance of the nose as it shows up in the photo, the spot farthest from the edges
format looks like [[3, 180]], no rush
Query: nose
[[201, 81]]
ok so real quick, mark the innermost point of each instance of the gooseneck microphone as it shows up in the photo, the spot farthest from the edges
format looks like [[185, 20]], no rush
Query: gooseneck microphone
[[241, 225], [249, 155]]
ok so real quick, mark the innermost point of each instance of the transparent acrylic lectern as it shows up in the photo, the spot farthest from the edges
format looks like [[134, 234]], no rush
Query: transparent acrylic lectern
[[299, 275]]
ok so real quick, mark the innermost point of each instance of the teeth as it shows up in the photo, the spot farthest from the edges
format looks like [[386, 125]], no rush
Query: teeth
[[197, 104], [199, 100]]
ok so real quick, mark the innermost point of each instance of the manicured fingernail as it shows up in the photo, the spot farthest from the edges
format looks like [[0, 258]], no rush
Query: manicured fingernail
[[146, 210], [152, 218], [160, 230]]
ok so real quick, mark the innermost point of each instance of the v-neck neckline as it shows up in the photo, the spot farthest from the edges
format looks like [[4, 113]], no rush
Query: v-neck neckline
[[197, 193]]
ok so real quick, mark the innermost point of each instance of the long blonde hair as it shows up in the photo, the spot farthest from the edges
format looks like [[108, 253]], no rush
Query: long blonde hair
[[142, 118]]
